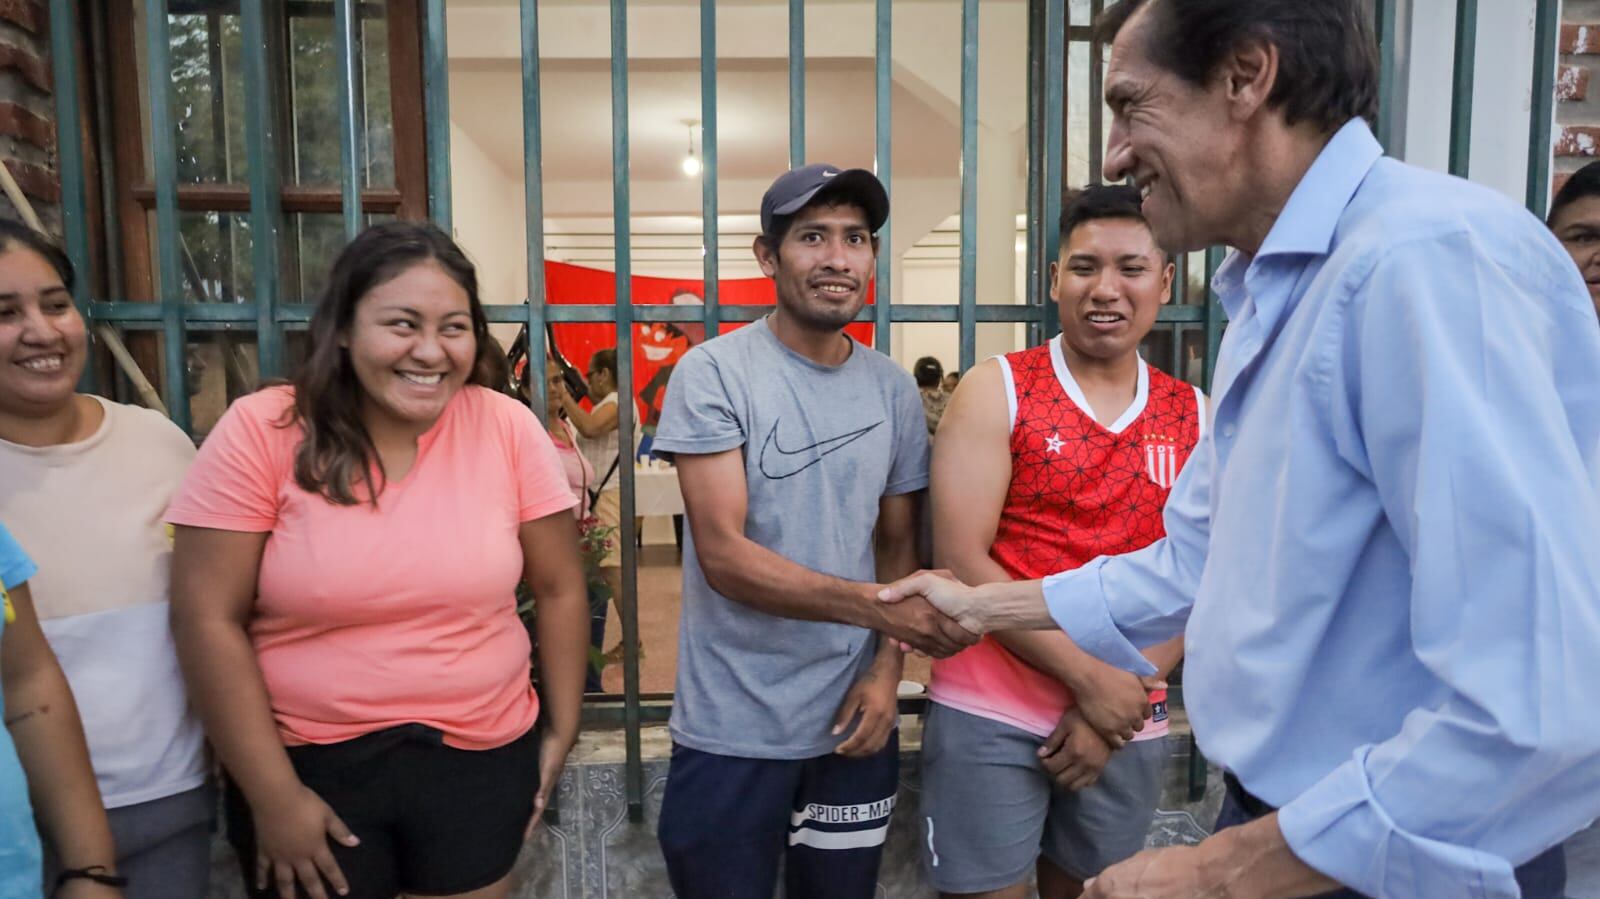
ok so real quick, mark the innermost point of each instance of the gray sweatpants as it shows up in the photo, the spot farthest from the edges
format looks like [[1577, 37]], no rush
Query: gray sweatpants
[[163, 846]]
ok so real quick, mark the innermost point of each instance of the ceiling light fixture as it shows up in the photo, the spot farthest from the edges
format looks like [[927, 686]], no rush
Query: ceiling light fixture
[[691, 162]]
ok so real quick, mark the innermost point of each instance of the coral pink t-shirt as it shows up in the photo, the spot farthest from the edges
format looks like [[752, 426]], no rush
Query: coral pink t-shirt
[[367, 618]]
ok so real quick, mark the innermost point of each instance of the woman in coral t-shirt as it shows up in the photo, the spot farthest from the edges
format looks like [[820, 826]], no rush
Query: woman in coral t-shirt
[[346, 557]]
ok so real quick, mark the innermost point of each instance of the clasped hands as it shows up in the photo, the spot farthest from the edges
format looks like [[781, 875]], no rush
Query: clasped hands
[[1113, 702]]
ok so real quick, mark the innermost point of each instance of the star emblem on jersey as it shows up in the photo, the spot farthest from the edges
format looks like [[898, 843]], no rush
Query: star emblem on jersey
[[1054, 443], [778, 463]]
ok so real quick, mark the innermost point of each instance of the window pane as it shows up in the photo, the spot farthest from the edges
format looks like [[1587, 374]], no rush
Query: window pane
[[222, 366], [1156, 348], [214, 257], [207, 103], [314, 89], [1194, 354], [209, 98]]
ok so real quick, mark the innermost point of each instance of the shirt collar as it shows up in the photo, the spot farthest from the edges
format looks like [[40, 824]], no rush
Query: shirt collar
[[1308, 221]]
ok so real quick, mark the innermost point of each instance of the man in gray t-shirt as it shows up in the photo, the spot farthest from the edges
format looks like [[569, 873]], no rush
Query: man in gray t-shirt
[[801, 454]]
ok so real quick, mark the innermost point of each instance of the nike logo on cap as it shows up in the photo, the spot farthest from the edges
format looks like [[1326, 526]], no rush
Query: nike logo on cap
[[778, 463], [829, 174]]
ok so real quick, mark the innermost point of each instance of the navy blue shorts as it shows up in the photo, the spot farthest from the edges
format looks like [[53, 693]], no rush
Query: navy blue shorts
[[1543, 878], [726, 823]]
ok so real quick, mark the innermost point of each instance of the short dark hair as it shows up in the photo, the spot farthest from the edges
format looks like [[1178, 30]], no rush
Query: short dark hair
[[1327, 53], [928, 371], [15, 234], [605, 360], [1098, 202], [1585, 182]]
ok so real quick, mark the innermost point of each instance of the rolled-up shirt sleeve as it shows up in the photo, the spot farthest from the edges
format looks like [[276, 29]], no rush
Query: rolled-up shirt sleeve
[[1114, 605], [1466, 393]]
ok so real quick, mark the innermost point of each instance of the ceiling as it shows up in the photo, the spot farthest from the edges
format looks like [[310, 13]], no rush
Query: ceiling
[[664, 96]]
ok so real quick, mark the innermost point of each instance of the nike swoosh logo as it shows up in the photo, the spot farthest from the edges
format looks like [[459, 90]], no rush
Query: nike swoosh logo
[[778, 463]]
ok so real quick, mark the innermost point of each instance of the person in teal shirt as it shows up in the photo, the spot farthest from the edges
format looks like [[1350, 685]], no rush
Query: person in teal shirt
[[48, 754]]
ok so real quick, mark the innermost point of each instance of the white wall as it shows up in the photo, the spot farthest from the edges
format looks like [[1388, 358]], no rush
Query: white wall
[[1502, 93], [488, 212]]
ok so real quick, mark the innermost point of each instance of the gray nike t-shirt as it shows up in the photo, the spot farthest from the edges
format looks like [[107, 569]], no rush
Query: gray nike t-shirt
[[822, 444]]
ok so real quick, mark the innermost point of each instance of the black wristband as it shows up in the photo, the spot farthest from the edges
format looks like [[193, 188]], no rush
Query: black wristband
[[98, 873]]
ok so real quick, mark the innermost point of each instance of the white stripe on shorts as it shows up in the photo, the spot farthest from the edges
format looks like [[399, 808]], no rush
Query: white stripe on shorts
[[849, 839]]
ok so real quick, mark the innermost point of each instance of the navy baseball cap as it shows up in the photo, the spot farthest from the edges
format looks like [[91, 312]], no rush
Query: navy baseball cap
[[795, 189]]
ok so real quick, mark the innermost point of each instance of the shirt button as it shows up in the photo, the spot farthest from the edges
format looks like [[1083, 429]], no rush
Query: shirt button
[[1228, 431]]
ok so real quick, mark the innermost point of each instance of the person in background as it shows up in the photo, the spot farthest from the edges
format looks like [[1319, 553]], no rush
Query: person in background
[[598, 440], [347, 555], [1383, 550], [929, 374], [1049, 457], [951, 379], [43, 755], [84, 478], [580, 474], [1575, 219], [802, 455]]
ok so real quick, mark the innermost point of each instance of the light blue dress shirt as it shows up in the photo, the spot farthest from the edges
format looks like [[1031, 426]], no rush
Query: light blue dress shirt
[[1387, 550]]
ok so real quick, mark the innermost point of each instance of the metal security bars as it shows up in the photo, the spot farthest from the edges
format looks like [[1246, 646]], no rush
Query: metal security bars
[[1194, 322]]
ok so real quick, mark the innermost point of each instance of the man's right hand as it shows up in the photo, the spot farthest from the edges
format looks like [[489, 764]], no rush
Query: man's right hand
[[943, 591], [292, 844], [1114, 702], [916, 623]]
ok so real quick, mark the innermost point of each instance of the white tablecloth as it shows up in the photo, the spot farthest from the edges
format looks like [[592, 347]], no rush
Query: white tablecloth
[[655, 492]]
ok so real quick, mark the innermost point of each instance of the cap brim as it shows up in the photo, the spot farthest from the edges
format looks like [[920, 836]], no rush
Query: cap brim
[[859, 185]]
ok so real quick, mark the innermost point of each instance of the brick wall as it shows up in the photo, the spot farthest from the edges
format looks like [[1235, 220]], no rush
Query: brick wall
[[1577, 90], [27, 109]]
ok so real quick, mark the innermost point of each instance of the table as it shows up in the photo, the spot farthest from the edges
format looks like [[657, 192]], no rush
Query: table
[[655, 492]]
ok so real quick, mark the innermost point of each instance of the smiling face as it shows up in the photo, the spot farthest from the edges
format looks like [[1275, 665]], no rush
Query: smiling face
[[1577, 226], [1109, 285], [822, 266], [411, 345], [1178, 142], [43, 340]]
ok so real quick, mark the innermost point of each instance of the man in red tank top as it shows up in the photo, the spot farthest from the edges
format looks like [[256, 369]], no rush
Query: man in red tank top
[[1035, 754]]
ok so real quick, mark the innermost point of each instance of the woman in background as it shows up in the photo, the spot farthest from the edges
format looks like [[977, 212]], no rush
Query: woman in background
[[580, 474]]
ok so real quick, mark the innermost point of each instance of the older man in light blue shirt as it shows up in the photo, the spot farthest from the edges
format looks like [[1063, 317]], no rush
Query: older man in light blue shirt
[[1385, 552]]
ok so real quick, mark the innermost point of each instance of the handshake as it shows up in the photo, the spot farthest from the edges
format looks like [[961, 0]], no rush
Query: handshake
[[931, 613]]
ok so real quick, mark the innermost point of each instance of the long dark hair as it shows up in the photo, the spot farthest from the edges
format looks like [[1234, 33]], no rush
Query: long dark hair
[[337, 452]]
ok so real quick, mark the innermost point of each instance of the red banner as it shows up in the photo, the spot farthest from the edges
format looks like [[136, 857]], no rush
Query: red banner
[[657, 346]]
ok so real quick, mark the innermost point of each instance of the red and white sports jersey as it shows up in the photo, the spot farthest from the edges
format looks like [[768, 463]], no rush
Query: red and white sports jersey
[[1079, 489]]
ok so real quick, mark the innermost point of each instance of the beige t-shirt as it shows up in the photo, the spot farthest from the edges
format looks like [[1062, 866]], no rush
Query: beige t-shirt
[[91, 515]]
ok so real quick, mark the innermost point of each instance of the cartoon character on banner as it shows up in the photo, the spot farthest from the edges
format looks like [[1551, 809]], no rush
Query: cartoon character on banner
[[662, 344]]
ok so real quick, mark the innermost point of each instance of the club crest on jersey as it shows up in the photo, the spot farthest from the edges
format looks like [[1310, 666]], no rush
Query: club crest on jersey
[[1161, 459]]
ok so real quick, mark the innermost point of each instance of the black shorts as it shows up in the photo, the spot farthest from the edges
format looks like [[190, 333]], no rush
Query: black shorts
[[432, 819]]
